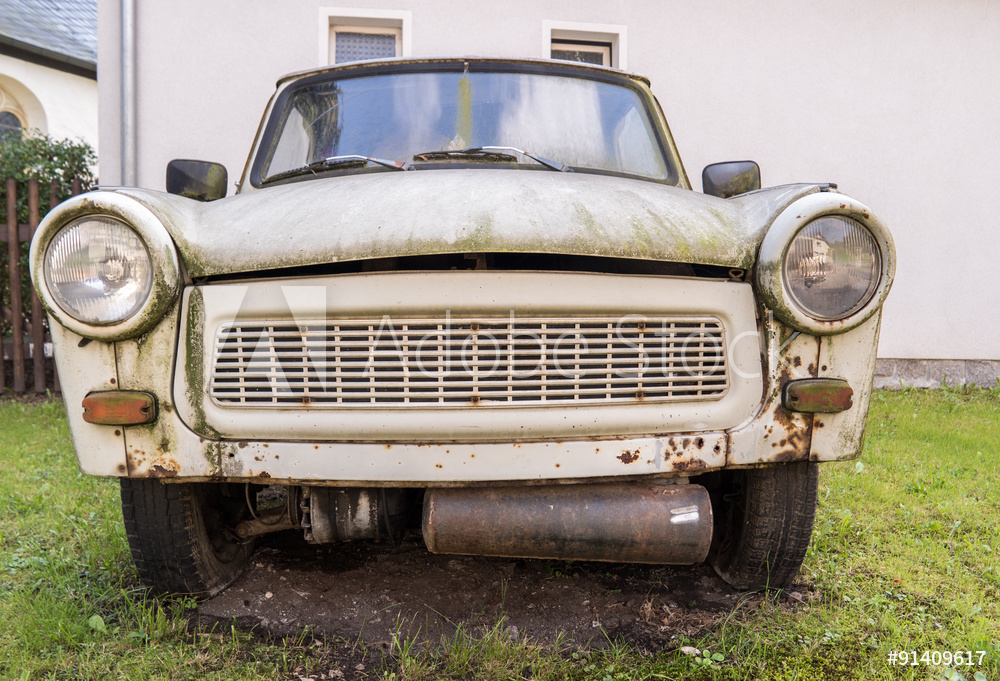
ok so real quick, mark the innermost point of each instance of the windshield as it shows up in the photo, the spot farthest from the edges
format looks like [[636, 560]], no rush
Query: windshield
[[582, 123]]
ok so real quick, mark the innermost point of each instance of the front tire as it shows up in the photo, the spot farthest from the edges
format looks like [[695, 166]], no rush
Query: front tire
[[181, 535], [764, 520]]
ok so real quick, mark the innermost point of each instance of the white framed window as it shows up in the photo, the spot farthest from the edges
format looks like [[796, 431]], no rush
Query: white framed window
[[603, 44], [350, 34]]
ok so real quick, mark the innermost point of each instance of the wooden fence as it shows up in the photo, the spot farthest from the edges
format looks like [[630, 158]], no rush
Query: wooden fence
[[28, 339]]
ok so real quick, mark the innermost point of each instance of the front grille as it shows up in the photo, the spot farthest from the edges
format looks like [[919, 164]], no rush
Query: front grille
[[426, 363]]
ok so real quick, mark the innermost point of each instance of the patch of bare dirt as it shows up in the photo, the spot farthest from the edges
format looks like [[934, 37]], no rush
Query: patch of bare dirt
[[372, 593]]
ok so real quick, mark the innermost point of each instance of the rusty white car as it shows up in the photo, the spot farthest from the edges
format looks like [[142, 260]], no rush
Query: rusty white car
[[475, 298]]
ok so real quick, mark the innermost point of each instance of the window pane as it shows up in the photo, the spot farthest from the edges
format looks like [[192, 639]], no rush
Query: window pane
[[580, 55], [358, 46], [8, 122]]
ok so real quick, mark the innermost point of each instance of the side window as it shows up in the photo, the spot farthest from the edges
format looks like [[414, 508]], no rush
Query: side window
[[351, 34], [601, 44]]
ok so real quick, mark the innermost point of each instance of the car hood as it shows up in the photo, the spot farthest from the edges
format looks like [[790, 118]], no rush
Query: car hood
[[392, 214]]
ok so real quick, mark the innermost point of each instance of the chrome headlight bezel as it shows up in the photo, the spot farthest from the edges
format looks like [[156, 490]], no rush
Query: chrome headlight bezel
[[150, 231], [771, 283]]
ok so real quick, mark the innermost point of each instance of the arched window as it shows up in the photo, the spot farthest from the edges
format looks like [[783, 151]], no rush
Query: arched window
[[9, 122], [12, 114]]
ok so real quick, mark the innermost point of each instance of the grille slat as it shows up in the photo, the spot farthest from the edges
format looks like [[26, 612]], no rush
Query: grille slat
[[569, 367], [458, 362]]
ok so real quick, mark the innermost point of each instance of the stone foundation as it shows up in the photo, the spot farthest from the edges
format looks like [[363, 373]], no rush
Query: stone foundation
[[935, 373]]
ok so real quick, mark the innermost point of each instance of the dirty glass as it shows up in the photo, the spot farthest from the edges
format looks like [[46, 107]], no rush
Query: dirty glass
[[585, 124]]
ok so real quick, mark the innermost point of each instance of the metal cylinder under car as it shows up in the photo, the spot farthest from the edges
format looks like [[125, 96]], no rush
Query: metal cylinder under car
[[333, 514], [639, 523]]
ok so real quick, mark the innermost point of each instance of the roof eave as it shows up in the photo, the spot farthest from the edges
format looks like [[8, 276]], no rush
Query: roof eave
[[45, 57]]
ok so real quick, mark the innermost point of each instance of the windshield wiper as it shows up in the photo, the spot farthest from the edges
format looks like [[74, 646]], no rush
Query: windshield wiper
[[472, 152], [492, 151], [338, 162]]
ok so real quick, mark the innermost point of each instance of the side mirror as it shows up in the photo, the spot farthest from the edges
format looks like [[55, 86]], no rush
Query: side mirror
[[197, 180], [730, 179]]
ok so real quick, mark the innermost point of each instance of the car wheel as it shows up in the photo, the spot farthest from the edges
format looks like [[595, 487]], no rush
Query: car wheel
[[763, 523], [181, 534]]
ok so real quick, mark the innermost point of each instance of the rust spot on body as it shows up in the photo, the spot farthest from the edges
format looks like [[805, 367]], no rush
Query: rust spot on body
[[241, 444], [690, 464], [158, 471], [263, 474], [628, 456]]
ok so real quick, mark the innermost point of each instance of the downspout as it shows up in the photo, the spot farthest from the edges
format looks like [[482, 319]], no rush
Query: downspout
[[127, 62]]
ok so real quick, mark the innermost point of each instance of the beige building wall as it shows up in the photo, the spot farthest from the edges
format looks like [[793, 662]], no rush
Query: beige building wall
[[894, 100], [58, 103]]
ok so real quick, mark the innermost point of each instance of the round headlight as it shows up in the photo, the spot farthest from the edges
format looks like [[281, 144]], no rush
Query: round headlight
[[832, 267], [825, 264], [98, 270]]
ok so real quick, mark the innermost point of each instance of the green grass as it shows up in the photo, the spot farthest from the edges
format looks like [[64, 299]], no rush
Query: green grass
[[70, 606], [905, 556]]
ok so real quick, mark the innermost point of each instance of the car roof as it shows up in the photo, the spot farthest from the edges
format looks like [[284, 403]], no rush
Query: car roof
[[406, 63]]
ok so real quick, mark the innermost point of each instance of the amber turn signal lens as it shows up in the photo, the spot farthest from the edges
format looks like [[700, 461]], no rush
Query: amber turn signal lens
[[119, 408], [818, 395]]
